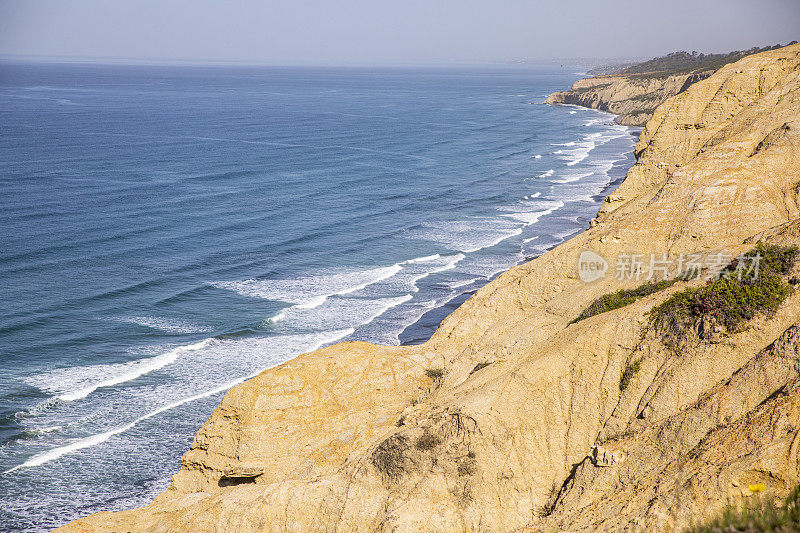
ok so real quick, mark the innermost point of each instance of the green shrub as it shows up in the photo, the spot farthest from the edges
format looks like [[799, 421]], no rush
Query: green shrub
[[756, 517], [729, 300], [682, 61], [621, 298], [778, 259], [628, 374], [434, 373]]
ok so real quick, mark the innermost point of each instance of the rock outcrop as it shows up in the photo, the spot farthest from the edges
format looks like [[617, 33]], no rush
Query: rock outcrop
[[633, 98], [634, 91], [527, 427]]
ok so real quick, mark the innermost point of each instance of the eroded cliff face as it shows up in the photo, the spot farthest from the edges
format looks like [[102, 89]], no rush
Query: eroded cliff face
[[357, 437], [632, 97]]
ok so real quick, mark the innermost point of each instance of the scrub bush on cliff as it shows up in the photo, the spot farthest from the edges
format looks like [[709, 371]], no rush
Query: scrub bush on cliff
[[729, 300]]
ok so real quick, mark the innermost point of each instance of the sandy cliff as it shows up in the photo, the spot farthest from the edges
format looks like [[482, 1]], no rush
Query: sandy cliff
[[357, 437], [633, 97]]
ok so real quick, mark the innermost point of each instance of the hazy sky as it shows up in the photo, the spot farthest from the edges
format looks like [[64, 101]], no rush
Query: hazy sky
[[348, 32]]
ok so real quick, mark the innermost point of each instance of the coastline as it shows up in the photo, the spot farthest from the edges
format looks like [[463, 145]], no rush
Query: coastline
[[422, 329], [513, 415], [57, 451]]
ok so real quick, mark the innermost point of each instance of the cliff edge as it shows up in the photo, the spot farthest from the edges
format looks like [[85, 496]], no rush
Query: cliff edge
[[632, 97], [634, 92], [514, 416]]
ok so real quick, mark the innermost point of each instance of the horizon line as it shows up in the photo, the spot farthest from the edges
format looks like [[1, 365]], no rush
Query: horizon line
[[121, 61]]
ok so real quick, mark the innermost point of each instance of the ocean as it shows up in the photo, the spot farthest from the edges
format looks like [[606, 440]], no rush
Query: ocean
[[168, 232]]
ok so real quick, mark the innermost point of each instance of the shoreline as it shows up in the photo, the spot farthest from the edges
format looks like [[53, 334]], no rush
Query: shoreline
[[418, 330], [415, 330], [520, 417], [423, 328]]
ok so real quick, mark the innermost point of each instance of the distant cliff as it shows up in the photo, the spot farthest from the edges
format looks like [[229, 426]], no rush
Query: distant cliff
[[632, 97], [551, 401], [635, 91]]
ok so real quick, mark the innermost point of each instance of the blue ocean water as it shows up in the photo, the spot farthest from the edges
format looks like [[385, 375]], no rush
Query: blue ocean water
[[168, 232]]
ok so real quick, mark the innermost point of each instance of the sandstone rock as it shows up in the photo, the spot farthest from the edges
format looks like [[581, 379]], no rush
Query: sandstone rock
[[355, 437], [632, 97]]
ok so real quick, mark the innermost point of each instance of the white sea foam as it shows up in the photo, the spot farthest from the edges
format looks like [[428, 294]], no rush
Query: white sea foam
[[357, 305], [302, 343], [449, 264], [310, 291], [530, 217], [387, 304], [425, 259], [315, 302], [577, 151], [70, 384], [470, 235], [39, 431], [415, 312], [547, 174], [574, 156], [604, 166], [462, 283], [340, 313], [569, 178], [87, 442], [41, 407], [165, 324], [486, 266], [386, 273], [496, 241], [277, 317], [530, 213], [385, 327]]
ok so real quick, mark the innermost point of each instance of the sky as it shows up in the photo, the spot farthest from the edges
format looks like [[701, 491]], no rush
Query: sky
[[378, 32]]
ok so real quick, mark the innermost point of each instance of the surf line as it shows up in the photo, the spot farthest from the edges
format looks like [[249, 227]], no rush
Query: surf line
[[87, 442]]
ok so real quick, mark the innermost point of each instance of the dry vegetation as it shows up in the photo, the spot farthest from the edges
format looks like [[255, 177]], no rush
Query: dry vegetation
[[757, 517], [621, 298]]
